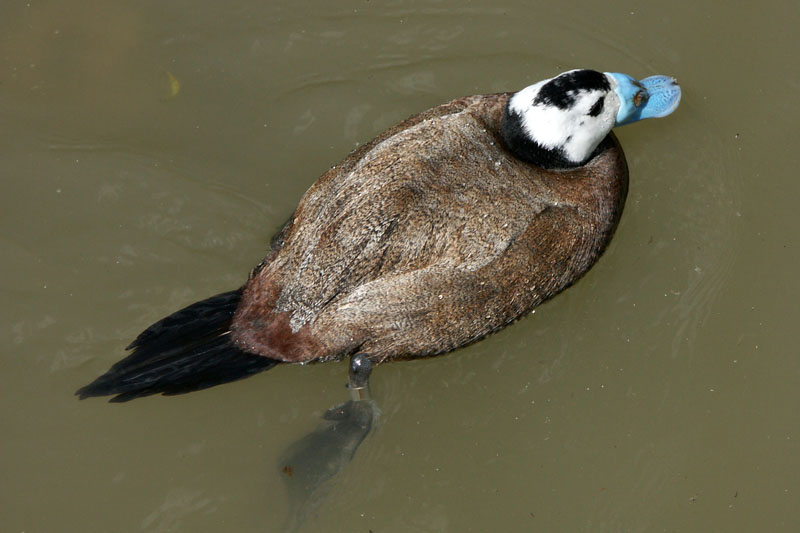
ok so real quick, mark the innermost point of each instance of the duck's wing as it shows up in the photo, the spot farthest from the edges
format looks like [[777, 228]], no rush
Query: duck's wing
[[443, 306]]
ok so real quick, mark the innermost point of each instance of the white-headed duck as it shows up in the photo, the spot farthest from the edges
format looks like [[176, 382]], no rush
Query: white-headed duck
[[443, 229]]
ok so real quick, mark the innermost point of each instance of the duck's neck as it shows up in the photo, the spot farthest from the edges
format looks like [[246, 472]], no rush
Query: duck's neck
[[519, 143]]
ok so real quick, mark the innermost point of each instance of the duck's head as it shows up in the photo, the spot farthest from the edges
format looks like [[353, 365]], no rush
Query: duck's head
[[559, 123]]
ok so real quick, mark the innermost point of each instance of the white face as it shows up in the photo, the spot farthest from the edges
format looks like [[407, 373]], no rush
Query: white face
[[567, 115]]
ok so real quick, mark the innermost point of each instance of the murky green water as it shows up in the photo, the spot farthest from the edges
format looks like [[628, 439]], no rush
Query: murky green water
[[659, 393]]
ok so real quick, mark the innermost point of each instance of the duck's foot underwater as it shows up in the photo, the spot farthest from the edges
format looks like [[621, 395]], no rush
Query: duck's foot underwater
[[309, 464]]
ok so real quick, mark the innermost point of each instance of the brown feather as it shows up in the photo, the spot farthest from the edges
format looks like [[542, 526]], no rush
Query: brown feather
[[427, 238]]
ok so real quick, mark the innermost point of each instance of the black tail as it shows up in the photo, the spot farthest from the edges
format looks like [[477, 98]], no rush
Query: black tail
[[187, 351]]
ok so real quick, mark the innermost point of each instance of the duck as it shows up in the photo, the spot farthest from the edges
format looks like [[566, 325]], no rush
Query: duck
[[443, 229]]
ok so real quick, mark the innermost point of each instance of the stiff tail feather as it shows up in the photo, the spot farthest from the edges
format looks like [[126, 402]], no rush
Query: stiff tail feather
[[189, 350]]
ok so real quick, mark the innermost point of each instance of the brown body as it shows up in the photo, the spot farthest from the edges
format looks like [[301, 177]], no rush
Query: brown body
[[427, 238]]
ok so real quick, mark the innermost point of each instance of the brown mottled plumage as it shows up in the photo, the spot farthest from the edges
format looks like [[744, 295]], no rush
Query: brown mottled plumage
[[425, 239]]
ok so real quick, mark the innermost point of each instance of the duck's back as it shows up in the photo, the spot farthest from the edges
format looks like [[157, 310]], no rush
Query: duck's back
[[425, 239]]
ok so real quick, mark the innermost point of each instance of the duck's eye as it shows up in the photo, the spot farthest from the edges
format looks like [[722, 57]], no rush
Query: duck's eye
[[597, 108]]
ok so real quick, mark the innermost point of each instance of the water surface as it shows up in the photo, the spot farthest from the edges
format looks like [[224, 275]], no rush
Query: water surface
[[150, 150]]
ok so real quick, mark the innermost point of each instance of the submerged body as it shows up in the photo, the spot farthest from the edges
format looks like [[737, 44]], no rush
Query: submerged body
[[444, 228]]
